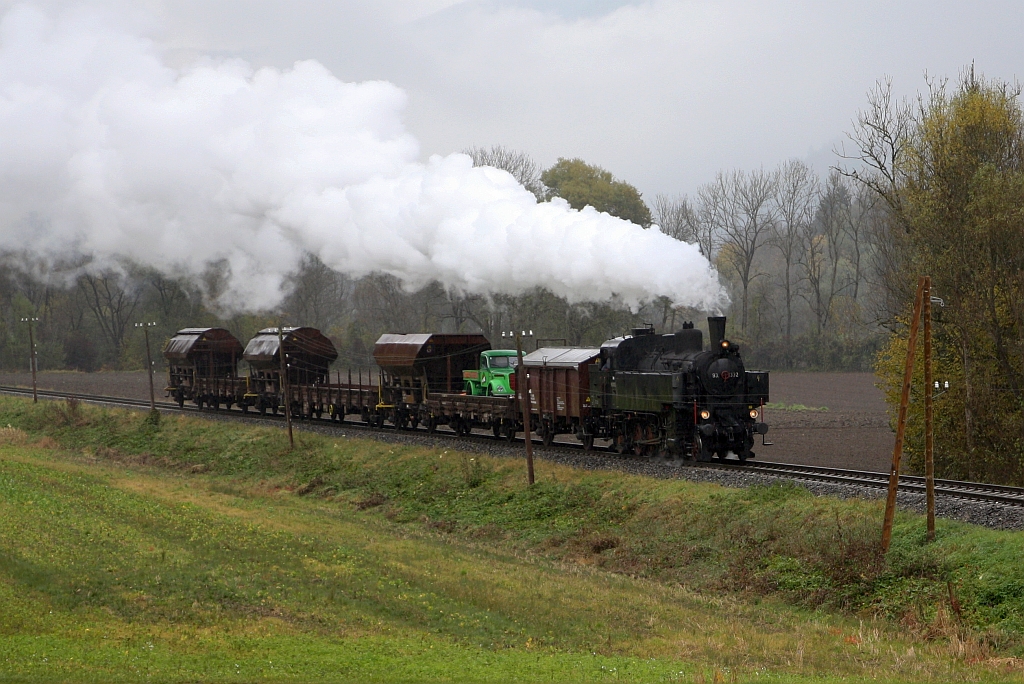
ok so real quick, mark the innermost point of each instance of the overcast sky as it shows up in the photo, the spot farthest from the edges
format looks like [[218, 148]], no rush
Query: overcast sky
[[663, 94]]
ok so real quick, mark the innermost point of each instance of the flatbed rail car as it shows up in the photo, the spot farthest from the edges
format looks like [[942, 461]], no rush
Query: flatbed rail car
[[202, 367], [463, 412]]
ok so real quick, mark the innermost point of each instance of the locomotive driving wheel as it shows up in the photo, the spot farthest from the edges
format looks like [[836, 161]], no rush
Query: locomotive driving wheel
[[643, 438], [700, 449]]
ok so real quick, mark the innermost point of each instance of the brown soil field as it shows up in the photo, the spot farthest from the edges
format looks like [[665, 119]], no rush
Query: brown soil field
[[853, 433]]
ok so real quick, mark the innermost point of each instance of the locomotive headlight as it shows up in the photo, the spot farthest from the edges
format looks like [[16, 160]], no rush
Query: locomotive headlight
[[753, 413], [705, 414]]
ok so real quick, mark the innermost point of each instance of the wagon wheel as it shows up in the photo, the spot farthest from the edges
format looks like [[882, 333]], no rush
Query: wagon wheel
[[588, 442], [274, 409], [620, 444], [547, 434], [414, 423], [510, 432], [263, 408], [496, 428], [431, 425], [721, 454], [319, 410], [245, 407]]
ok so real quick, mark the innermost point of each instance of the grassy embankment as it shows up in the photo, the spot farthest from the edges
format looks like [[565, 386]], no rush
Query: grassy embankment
[[203, 551]]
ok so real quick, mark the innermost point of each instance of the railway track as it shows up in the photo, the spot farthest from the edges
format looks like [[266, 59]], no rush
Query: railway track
[[974, 491]]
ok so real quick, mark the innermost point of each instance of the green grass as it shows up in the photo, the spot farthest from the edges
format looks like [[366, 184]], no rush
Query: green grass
[[353, 560]]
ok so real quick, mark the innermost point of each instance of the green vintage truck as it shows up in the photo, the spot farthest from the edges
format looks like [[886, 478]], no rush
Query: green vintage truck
[[492, 378]]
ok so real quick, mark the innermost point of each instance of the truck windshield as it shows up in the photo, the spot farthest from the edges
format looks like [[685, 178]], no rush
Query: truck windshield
[[502, 361]]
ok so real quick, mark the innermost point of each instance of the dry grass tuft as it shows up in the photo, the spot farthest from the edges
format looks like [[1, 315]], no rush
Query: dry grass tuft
[[12, 435], [67, 413], [372, 501]]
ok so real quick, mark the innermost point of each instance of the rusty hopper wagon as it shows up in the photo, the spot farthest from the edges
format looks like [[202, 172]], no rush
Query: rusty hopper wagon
[[201, 367], [559, 382], [308, 357]]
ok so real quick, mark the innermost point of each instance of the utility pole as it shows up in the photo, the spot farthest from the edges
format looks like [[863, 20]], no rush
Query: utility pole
[[929, 439], [901, 421], [524, 395], [284, 388], [32, 355], [149, 363]]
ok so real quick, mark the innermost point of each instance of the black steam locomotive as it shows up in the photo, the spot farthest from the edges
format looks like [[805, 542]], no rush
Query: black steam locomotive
[[666, 393]]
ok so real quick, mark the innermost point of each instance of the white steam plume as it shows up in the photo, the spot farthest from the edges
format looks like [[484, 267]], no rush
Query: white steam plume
[[107, 151]]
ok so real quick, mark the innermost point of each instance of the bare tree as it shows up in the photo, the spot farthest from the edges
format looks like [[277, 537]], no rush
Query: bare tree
[[882, 138], [522, 167], [112, 297], [863, 210], [822, 250], [712, 200], [676, 217], [743, 223], [318, 295], [795, 202]]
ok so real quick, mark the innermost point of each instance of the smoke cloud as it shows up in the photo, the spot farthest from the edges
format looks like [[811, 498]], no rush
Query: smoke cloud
[[107, 151]]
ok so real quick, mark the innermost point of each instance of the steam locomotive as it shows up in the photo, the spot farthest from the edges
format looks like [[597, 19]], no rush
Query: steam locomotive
[[667, 393]]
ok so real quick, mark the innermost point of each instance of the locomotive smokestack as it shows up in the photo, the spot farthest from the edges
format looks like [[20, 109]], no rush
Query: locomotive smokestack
[[716, 330]]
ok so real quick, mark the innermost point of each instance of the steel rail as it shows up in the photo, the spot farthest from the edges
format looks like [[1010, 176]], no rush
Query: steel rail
[[975, 491]]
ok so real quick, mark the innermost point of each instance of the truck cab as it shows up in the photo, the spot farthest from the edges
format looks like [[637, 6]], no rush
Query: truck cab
[[492, 378]]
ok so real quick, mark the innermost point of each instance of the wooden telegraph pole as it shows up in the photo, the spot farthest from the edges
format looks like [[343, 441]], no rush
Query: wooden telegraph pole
[[32, 355], [922, 306], [524, 395], [149, 363], [929, 439], [284, 388]]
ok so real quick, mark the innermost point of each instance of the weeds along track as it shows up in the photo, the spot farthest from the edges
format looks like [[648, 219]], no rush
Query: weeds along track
[[574, 455]]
